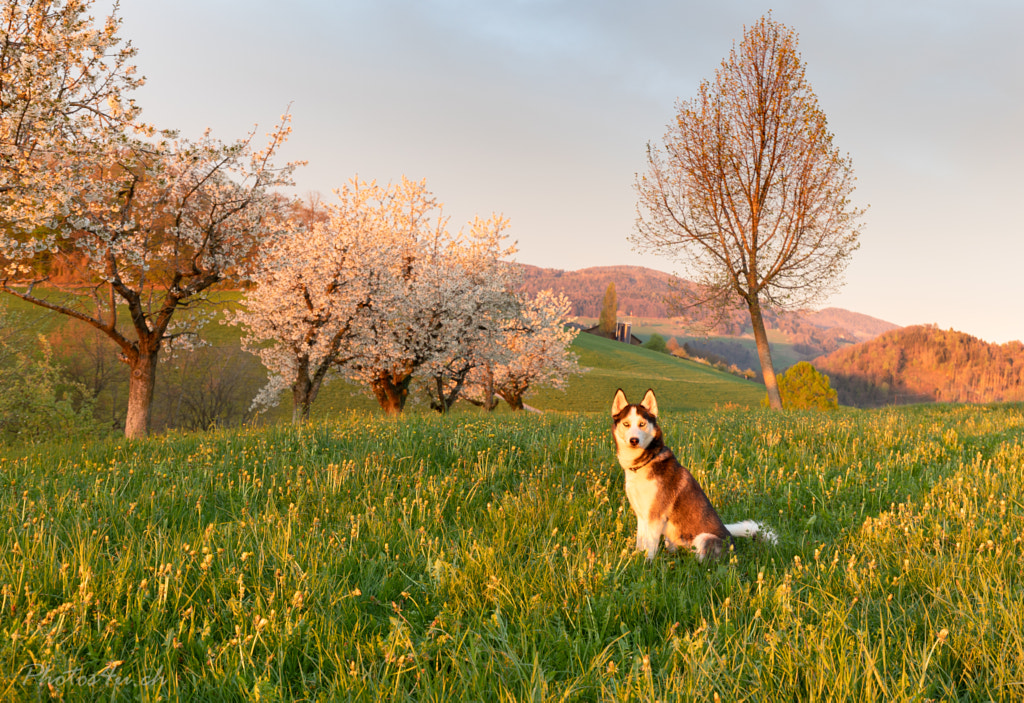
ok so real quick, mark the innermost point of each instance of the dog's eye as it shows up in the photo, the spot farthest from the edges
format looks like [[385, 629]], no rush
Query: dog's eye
[[642, 424], [625, 424]]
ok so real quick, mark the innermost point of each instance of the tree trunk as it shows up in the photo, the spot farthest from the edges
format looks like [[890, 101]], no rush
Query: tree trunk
[[513, 393], [301, 400], [440, 403], [764, 353], [142, 379], [391, 391], [485, 404], [304, 392], [514, 400], [489, 402], [444, 401]]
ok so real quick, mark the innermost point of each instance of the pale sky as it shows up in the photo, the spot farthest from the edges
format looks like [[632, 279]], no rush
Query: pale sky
[[541, 110]]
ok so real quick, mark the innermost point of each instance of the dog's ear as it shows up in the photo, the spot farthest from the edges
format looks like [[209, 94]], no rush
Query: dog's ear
[[650, 402], [619, 402]]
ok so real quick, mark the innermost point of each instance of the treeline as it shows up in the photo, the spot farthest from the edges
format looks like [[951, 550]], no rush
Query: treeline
[[204, 386], [356, 289], [726, 355], [926, 364]]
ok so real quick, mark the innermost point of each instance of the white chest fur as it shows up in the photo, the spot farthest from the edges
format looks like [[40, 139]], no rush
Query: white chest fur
[[641, 490]]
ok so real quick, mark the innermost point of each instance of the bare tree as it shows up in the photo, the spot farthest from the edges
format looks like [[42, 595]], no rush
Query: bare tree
[[207, 387], [91, 361], [748, 192]]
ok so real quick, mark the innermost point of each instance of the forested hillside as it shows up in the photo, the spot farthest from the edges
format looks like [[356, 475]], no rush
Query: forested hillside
[[641, 291], [926, 364]]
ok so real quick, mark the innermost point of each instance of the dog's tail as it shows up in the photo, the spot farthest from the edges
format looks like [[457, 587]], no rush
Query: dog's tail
[[749, 528]]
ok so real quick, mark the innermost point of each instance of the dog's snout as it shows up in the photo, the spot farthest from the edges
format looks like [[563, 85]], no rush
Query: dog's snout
[[634, 441]]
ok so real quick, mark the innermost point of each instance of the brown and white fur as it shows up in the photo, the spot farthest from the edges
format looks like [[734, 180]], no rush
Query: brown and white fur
[[666, 498]]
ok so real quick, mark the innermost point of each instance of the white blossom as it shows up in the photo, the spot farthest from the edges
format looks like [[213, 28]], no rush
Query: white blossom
[[380, 289], [536, 353], [444, 292], [314, 287], [146, 221]]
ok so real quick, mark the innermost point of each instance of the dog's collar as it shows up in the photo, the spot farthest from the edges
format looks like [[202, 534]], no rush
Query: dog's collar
[[636, 467]]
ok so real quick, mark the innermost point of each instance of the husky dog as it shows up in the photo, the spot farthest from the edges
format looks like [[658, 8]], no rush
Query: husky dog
[[666, 498]]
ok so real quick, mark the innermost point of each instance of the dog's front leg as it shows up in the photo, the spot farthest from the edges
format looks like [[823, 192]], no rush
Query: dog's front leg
[[648, 536]]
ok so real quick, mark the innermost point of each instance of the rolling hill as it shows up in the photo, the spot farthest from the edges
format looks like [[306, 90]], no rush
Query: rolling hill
[[646, 298], [641, 292], [925, 364], [680, 384]]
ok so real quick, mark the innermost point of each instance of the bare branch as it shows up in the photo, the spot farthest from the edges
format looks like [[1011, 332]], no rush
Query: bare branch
[[749, 192]]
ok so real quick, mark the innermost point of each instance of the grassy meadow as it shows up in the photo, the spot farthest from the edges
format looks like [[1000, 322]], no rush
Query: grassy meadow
[[680, 384], [475, 557]]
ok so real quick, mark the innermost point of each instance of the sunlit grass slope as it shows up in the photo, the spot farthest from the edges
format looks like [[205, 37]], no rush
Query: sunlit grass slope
[[679, 384], [490, 558]]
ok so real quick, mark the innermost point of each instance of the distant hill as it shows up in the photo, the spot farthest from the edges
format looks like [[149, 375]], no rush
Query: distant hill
[[925, 364], [646, 293], [641, 291], [863, 327]]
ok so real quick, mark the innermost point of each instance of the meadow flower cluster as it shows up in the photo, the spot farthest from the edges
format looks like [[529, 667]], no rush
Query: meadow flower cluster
[[469, 557]]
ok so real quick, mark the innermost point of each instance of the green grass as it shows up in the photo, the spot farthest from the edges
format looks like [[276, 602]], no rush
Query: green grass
[[680, 384], [490, 558]]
